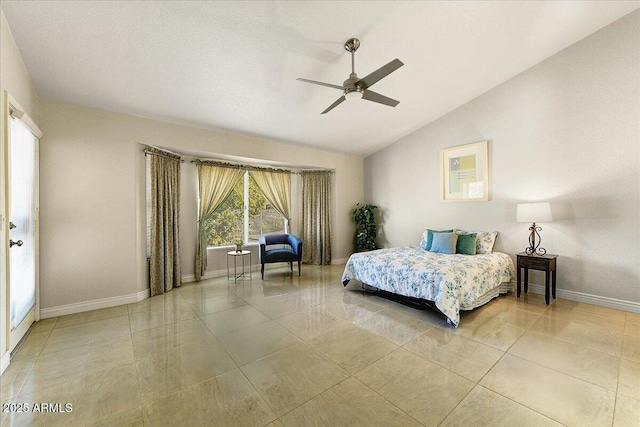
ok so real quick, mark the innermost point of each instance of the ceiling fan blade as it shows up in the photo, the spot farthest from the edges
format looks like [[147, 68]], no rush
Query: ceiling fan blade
[[379, 74], [334, 105], [321, 84], [370, 95]]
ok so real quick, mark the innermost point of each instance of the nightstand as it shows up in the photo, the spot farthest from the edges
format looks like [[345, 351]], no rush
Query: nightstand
[[546, 263]]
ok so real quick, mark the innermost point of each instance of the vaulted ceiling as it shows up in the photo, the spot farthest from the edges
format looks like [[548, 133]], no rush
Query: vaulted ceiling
[[233, 65]]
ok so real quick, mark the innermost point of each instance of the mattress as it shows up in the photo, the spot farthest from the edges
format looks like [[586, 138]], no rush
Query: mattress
[[453, 282]]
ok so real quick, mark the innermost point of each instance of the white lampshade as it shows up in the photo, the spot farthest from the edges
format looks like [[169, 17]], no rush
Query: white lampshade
[[534, 212]]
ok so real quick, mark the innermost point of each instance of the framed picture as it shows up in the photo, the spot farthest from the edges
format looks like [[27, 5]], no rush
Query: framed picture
[[465, 173]]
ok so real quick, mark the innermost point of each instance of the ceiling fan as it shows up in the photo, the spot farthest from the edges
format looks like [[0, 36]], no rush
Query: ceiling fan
[[355, 87]]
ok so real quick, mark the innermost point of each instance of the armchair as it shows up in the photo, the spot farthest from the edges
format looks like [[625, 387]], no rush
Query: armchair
[[280, 254]]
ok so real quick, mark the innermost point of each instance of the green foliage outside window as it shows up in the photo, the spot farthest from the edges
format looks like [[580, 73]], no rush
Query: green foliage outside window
[[226, 225]]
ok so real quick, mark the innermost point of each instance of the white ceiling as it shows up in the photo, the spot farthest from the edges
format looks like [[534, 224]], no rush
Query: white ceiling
[[233, 65]]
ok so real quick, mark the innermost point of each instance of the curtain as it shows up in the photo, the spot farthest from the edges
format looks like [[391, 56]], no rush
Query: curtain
[[165, 231], [276, 187], [316, 218], [214, 186]]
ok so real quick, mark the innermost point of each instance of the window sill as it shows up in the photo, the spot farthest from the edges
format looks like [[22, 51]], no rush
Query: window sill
[[232, 247]]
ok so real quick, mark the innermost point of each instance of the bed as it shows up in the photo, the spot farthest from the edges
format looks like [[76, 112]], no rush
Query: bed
[[453, 282]]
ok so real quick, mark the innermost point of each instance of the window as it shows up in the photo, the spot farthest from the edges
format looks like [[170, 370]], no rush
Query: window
[[243, 217]]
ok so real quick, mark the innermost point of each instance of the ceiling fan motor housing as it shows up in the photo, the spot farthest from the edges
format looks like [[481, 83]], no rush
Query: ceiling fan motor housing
[[351, 88]]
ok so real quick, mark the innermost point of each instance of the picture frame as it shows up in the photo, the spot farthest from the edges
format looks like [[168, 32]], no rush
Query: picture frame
[[464, 173]]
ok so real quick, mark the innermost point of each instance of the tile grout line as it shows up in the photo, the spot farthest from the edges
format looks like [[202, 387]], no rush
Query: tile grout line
[[545, 367], [313, 397], [505, 352], [310, 305], [615, 400], [477, 383], [135, 369]]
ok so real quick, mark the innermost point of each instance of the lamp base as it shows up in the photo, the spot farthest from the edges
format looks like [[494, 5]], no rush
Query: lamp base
[[535, 249]]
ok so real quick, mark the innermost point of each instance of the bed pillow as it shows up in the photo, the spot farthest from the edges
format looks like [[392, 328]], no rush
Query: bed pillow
[[466, 244], [444, 243], [427, 237], [484, 240]]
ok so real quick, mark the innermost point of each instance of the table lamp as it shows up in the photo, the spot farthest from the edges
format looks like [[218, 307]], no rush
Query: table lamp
[[533, 213]]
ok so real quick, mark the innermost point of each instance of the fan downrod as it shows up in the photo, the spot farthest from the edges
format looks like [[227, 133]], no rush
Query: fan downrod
[[352, 45]]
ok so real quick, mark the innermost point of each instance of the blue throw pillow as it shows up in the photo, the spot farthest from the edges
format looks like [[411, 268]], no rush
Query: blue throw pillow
[[427, 237], [444, 243]]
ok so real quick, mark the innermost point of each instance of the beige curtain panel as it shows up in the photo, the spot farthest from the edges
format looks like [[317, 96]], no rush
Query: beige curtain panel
[[276, 187], [165, 219], [214, 186], [316, 217]]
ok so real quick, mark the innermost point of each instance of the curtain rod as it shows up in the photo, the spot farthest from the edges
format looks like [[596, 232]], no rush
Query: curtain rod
[[156, 152], [315, 171], [239, 166], [254, 168], [17, 113]]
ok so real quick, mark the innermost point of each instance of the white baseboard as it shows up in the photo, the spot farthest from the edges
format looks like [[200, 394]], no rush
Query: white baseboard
[[212, 274], [187, 278], [80, 307], [143, 294], [4, 361], [618, 304]]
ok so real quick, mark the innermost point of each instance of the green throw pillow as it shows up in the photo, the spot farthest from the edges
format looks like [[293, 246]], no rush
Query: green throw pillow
[[444, 243], [466, 244]]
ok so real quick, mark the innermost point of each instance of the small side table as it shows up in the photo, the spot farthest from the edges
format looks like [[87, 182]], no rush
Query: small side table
[[546, 263], [235, 255]]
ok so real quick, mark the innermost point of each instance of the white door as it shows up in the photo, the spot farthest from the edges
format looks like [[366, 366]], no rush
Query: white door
[[23, 228]]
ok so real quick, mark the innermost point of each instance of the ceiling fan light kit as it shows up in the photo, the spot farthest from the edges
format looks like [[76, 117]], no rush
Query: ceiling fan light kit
[[356, 88], [353, 94]]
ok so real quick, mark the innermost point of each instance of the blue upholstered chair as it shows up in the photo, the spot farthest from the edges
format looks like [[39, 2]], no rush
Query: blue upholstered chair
[[289, 253]]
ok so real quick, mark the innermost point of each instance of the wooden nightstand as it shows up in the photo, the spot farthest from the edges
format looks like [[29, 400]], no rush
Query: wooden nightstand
[[546, 263]]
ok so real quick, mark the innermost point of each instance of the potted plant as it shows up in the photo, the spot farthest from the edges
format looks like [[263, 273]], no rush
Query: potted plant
[[366, 227], [239, 244]]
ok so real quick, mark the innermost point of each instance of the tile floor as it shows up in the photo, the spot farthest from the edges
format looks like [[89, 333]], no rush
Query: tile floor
[[306, 351]]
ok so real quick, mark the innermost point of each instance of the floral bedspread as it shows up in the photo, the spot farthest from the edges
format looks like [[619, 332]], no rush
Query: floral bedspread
[[453, 282]]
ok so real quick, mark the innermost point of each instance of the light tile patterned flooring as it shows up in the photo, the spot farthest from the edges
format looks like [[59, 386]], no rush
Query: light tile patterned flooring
[[306, 351]]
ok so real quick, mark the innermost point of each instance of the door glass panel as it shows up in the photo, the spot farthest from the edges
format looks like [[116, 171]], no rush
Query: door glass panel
[[22, 205]]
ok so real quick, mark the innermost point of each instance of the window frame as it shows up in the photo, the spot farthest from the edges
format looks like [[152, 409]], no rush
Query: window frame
[[245, 213]]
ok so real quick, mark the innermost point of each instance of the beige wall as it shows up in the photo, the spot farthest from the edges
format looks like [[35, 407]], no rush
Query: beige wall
[[13, 74], [567, 131], [92, 196], [16, 81]]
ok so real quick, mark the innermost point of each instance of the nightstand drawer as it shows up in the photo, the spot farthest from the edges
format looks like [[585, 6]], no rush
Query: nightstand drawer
[[535, 263]]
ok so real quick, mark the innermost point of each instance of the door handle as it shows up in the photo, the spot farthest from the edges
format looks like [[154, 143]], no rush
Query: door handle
[[12, 243]]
